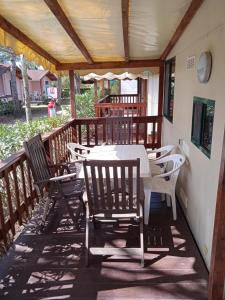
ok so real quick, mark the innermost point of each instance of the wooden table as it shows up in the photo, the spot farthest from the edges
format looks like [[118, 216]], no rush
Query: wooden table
[[123, 152]]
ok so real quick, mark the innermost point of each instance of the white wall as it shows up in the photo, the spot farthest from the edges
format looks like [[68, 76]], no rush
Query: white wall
[[152, 98], [199, 178], [153, 93]]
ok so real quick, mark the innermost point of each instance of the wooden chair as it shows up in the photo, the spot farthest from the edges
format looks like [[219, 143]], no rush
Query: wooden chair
[[57, 187], [119, 130], [105, 200]]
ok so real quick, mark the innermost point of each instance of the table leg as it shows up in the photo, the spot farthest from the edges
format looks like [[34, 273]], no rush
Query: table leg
[[147, 204]]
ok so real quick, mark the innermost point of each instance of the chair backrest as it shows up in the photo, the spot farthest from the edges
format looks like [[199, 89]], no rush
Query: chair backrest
[[164, 151], [37, 158], [119, 130], [177, 161], [110, 186], [78, 151]]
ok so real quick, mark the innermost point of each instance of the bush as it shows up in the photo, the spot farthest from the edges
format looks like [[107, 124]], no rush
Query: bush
[[85, 106], [6, 106], [13, 136]]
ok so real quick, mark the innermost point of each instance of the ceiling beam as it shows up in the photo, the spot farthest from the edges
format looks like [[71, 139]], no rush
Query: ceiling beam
[[19, 35], [125, 22], [64, 21], [109, 65], [192, 9]]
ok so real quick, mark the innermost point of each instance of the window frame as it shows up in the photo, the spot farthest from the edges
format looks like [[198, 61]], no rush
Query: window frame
[[203, 106], [168, 92]]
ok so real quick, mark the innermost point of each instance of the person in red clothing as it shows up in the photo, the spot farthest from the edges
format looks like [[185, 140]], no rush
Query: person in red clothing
[[51, 108]]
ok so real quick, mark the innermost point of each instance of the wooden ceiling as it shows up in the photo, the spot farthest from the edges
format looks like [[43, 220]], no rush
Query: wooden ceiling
[[88, 62]]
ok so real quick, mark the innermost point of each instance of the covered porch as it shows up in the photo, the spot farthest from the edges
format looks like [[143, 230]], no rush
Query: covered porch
[[49, 263]]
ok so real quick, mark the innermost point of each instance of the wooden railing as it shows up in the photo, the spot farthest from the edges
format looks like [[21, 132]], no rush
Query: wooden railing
[[120, 105], [17, 193], [120, 109], [126, 98]]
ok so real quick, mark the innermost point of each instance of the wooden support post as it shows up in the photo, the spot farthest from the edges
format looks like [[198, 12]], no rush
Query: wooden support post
[[161, 88], [145, 90], [119, 86], [72, 94], [217, 266], [139, 88], [102, 87], [145, 83], [109, 87], [95, 90]]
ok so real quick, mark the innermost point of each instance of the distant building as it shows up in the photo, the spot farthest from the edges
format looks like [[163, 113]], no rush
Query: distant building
[[39, 82], [5, 82]]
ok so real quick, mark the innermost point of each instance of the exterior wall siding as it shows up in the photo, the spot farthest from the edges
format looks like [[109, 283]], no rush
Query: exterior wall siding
[[2, 91], [198, 183]]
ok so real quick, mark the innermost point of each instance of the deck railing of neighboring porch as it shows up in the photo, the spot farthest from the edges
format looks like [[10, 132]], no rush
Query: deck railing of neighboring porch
[[17, 193], [120, 105]]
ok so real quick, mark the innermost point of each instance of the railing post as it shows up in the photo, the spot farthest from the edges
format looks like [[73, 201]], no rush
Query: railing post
[[95, 91], [109, 87], [145, 96]]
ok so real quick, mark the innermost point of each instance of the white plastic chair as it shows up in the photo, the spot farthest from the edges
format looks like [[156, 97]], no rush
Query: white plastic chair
[[78, 152], [164, 183], [153, 159], [164, 151]]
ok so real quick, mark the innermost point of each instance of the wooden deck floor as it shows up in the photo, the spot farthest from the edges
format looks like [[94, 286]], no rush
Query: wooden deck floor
[[50, 265]]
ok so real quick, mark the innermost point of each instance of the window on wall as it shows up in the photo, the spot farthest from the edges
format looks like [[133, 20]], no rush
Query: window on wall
[[169, 89], [202, 124]]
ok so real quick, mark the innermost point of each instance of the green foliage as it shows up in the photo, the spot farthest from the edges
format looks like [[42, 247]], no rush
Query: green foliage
[[65, 87], [85, 104], [12, 136], [114, 87], [6, 106]]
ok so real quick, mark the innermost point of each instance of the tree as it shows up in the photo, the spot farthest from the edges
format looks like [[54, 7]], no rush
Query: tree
[[16, 103], [77, 83], [59, 89], [27, 97]]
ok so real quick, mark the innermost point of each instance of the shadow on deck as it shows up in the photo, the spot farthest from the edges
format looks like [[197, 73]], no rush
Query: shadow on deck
[[50, 265]]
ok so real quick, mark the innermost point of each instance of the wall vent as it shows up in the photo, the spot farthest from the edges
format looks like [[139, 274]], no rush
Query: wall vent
[[190, 62]]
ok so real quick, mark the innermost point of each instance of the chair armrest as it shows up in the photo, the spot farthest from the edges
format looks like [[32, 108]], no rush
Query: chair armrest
[[78, 146], [152, 151], [62, 167], [57, 178], [84, 156], [167, 174], [62, 177]]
